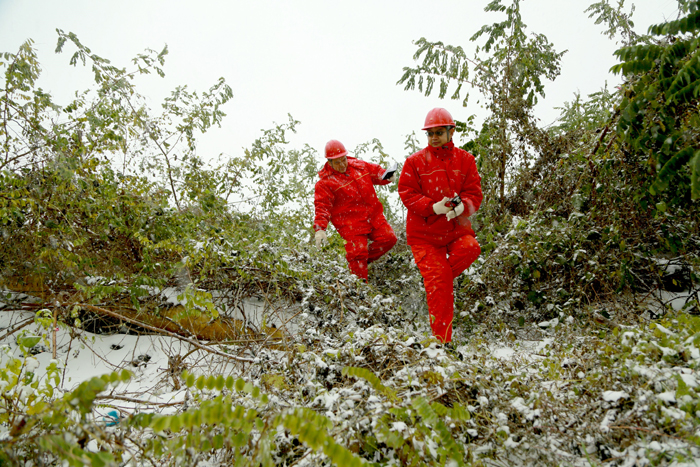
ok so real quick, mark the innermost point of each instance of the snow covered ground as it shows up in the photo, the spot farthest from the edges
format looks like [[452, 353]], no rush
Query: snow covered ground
[[570, 395]]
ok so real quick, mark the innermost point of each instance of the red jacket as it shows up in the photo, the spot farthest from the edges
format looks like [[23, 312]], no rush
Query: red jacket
[[348, 200], [428, 176]]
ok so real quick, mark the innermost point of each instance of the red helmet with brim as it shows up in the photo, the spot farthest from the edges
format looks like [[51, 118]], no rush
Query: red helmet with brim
[[335, 149], [438, 117]]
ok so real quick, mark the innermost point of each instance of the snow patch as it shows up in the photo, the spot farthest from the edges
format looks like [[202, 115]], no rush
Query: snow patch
[[614, 396], [503, 353]]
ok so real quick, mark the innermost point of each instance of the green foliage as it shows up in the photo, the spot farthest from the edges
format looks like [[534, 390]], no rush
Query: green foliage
[[444, 61], [43, 425], [429, 436], [371, 378], [574, 248], [432, 426], [217, 428], [616, 19], [658, 116], [314, 430], [68, 195], [583, 117], [281, 181], [196, 301], [121, 117], [524, 60]]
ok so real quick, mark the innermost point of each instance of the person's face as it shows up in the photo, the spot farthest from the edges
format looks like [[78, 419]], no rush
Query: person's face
[[340, 164], [439, 136]]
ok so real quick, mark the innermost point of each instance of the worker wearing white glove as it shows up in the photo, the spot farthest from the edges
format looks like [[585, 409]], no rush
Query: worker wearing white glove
[[441, 248], [440, 207], [321, 237]]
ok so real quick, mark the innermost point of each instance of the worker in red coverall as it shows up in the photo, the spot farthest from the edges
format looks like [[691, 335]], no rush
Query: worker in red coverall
[[346, 197], [438, 231]]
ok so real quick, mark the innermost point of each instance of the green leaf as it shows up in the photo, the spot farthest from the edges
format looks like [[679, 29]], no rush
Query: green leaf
[[670, 169], [690, 23], [240, 384], [176, 422], [210, 382], [424, 410], [190, 380], [29, 341], [200, 383], [371, 378], [459, 413], [160, 423], [219, 383]]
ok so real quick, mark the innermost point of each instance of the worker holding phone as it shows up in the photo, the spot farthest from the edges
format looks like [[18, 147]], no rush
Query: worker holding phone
[[345, 196]]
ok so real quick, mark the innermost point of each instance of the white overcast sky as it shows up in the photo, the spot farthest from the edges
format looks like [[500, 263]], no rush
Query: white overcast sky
[[332, 65]]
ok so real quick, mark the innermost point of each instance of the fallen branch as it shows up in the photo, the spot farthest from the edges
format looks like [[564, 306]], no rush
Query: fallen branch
[[137, 401], [113, 314]]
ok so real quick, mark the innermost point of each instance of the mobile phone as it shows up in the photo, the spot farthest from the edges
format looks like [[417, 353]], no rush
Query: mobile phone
[[389, 172]]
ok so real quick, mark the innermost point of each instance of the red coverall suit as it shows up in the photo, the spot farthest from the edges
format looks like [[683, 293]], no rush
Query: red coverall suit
[[349, 201], [442, 248]]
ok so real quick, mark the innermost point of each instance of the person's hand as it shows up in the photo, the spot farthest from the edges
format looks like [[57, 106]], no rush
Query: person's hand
[[457, 211], [392, 179], [440, 208], [320, 237]]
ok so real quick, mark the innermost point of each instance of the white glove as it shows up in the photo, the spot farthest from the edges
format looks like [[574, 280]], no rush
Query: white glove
[[440, 208], [320, 237], [457, 211]]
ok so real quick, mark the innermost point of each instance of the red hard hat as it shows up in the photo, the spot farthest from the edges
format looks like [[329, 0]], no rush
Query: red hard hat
[[335, 149], [438, 117]]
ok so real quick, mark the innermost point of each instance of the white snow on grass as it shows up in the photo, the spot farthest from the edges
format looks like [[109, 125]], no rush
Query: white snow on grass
[[614, 396], [520, 391]]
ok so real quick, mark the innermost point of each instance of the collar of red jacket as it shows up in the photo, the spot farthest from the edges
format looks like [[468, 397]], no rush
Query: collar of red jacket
[[444, 151]]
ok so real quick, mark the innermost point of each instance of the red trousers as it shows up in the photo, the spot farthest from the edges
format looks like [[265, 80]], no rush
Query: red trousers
[[358, 254], [439, 266]]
